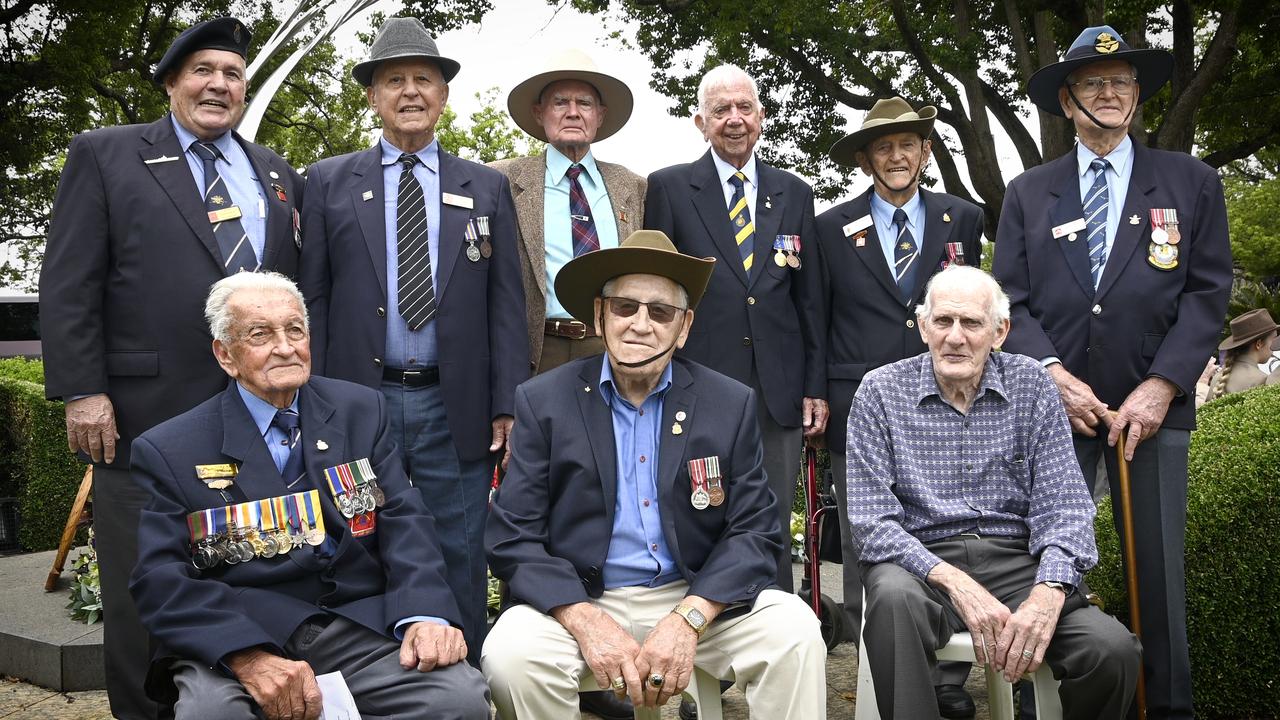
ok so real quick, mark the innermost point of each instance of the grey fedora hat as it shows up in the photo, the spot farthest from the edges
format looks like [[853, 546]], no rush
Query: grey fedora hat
[[403, 37]]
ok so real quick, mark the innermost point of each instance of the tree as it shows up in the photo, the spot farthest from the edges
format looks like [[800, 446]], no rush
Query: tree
[[971, 59], [490, 136], [74, 65]]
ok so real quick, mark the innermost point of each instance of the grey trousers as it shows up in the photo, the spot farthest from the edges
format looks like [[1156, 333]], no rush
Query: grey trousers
[[782, 446], [946, 673], [1158, 482], [1094, 656], [117, 510], [370, 664]]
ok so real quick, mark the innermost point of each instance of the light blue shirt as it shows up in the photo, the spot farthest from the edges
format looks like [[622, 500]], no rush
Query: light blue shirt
[[1121, 159], [410, 348], [750, 187], [238, 175], [262, 413], [557, 228], [882, 213], [638, 552]]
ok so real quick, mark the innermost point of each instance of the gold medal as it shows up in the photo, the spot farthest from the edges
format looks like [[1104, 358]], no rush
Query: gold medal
[[779, 259]]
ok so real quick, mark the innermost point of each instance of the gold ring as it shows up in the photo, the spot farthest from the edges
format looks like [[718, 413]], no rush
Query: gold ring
[[656, 680], [619, 684]]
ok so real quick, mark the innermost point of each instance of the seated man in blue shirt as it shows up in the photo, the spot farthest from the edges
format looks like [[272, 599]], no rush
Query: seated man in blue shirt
[[635, 529], [971, 514], [282, 539]]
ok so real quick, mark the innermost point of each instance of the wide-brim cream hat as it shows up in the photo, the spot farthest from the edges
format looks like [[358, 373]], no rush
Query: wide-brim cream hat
[[886, 117], [571, 64], [645, 252]]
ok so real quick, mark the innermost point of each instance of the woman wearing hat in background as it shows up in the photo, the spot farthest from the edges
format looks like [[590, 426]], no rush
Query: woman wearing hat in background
[[1249, 344]]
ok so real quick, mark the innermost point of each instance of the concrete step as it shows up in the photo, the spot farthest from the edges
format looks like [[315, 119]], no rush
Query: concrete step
[[39, 642]]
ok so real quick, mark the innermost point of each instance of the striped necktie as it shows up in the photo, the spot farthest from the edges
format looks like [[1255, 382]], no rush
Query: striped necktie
[[905, 254], [293, 471], [585, 238], [1095, 215], [744, 230], [233, 242], [417, 293]]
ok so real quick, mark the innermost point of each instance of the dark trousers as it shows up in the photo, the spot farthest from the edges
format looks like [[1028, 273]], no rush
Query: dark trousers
[[370, 665], [117, 509], [782, 446], [557, 350], [1093, 655], [455, 491], [1158, 482]]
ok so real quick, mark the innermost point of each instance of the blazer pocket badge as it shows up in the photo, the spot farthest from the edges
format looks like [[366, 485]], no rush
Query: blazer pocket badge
[[706, 483]]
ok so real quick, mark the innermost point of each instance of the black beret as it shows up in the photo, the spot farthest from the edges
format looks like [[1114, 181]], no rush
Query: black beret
[[225, 33]]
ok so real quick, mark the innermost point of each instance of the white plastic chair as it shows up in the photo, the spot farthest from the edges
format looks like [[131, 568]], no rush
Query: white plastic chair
[[960, 649], [703, 690]]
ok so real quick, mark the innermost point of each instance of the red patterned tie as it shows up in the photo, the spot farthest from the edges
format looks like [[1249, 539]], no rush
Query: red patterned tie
[[585, 238]]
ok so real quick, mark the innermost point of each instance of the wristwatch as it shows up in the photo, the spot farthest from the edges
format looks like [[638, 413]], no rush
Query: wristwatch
[[693, 616], [1065, 588]]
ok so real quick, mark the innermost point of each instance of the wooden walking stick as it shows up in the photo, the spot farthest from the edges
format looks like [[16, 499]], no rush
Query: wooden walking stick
[[1130, 564], [69, 531]]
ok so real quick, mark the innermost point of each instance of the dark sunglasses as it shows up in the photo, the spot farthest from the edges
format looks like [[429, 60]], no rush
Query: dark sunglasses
[[660, 313]]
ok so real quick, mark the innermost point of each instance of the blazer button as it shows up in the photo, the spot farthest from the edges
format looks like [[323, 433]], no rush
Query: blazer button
[[911, 323], [751, 300], [746, 342], [593, 571], [382, 312], [377, 362], [751, 589], [1097, 310]]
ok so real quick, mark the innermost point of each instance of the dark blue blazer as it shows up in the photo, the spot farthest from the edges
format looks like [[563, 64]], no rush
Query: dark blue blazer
[[1142, 321], [376, 580], [129, 262], [770, 319], [549, 527], [868, 324], [480, 323]]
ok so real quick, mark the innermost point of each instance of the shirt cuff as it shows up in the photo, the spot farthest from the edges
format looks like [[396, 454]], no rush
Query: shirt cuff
[[1051, 360], [1055, 566], [919, 562], [400, 626]]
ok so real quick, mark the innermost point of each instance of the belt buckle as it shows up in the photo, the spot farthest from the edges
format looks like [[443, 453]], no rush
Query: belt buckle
[[973, 535], [407, 375], [578, 329]]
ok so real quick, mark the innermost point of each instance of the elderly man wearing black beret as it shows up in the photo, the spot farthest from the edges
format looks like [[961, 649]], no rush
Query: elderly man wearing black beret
[[146, 218]]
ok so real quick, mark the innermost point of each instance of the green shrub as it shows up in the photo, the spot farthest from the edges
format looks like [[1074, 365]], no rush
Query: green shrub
[[1232, 557], [35, 465]]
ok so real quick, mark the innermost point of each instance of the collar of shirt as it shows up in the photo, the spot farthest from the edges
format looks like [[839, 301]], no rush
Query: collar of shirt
[[186, 138], [1120, 157], [928, 384], [558, 167], [725, 171], [606, 383], [262, 411], [429, 156], [882, 213]]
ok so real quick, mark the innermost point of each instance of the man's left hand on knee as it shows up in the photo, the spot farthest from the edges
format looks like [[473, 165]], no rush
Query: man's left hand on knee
[[429, 645], [1028, 632]]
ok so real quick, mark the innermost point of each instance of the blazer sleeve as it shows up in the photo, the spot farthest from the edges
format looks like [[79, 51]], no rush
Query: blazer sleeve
[[1202, 306], [1010, 268], [314, 278], [807, 296], [657, 208], [516, 534], [73, 277], [197, 618], [973, 239], [508, 331]]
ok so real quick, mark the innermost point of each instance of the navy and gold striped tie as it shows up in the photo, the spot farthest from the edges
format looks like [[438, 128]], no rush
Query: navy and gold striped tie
[[744, 230]]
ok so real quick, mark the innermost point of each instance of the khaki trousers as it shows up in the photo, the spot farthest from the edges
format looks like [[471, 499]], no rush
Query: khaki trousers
[[775, 654]]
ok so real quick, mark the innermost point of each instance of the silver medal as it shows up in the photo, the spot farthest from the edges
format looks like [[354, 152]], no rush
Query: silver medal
[[700, 499], [473, 252]]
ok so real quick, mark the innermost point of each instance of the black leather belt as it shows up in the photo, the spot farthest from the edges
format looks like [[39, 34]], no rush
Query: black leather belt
[[571, 329], [420, 377]]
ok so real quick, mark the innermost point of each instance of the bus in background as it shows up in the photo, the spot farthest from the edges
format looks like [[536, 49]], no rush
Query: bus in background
[[19, 325]]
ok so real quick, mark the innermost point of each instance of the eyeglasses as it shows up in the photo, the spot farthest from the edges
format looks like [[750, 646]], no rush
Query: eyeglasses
[[1090, 87], [261, 335], [660, 313]]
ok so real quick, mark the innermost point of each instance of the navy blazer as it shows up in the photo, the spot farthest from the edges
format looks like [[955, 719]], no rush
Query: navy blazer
[[130, 259], [480, 327], [770, 320], [867, 322], [375, 581], [549, 528], [1142, 321]]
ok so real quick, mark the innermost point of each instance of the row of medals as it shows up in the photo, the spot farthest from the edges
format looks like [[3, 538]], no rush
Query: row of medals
[[485, 249], [713, 497], [238, 545], [367, 497], [790, 259]]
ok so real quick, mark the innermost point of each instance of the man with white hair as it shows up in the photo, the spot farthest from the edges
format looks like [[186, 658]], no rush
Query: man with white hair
[[282, 539], [765, 294], [972, 514]]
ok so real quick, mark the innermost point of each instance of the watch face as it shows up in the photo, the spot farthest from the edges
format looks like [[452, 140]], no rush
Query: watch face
[[696, 616]]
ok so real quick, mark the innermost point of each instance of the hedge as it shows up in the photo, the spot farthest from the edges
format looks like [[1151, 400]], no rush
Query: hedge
[[35, 465], [1232, 557]]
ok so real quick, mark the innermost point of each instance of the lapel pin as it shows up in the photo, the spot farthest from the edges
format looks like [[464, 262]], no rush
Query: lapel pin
[[680, 415], [586, 389], [946, 217], [768, 203], [1133, 220], [368, 195], [676, 429], [1071, 237], [622, 216], [274, 175], [322, 445]]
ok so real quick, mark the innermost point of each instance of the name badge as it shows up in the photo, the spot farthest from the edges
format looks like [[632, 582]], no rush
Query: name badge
[[223, 470], [861, 223], [461, 201], [1067, 228], [225, 214], [161, 159]]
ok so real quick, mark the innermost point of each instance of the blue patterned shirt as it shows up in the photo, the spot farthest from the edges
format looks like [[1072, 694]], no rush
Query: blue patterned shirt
[[919, 470]]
